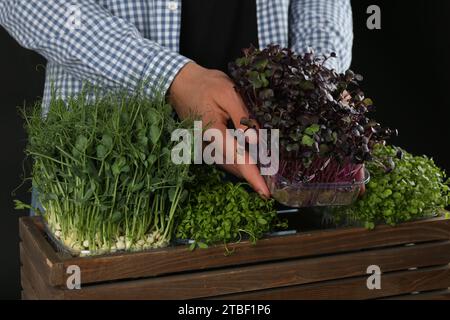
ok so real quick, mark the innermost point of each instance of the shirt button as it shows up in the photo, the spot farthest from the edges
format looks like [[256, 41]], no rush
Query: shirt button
[[172, 6]]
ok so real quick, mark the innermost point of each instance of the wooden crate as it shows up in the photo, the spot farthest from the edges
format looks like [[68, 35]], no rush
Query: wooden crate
[[331, 264]]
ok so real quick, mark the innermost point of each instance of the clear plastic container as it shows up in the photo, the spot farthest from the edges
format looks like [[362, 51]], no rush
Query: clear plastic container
[[300, 195]]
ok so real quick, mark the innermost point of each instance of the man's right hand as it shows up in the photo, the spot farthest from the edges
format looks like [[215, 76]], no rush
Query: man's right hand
[[211, 95]]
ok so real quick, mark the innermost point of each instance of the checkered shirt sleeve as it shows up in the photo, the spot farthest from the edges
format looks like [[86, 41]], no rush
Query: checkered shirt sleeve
[[124, 43], [105, 49]]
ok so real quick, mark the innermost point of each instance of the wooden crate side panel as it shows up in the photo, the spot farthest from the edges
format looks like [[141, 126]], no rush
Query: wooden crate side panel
[[39, 282], [392, 284], [28, 292], [269, 275], [175, 260], [40, 251], [25, 296]]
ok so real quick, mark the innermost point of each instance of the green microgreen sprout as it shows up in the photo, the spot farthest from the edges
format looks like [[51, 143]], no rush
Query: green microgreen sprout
[[224, 212], [103, 171], [403, 187]]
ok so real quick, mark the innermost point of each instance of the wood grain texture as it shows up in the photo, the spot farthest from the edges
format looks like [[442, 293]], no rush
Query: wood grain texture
[[28, 292], [392, 284], [328, 264], [433, 295], [37, 280], [180, 259], [45, 259], [272, 275]]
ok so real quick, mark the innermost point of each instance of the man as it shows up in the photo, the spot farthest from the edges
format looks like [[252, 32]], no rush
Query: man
[[119, 43]]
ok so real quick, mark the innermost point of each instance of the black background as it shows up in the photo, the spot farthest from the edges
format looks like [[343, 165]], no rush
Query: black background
[[406, 66]]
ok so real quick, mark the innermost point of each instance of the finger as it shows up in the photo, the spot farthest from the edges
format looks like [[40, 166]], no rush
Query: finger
[[249, 170], [234, 106], [360, 178], [231, 169], [251, 174]]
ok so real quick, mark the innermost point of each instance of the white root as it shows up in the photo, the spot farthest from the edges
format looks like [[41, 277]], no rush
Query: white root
[[141, 243], [120, 245], [152, 240]]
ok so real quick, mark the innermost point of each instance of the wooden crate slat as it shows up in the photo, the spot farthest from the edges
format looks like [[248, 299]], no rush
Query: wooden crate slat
[[173, 260], [392, 284], [433, 295], [270, 275], [28, 292], [323, 263], [41, 252], [38, 281]]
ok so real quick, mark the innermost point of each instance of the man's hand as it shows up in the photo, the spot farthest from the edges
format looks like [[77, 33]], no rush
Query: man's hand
[[211, 95]]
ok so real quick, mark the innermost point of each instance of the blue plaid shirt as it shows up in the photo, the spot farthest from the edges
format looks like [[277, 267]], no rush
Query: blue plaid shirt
[[120, 43]]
